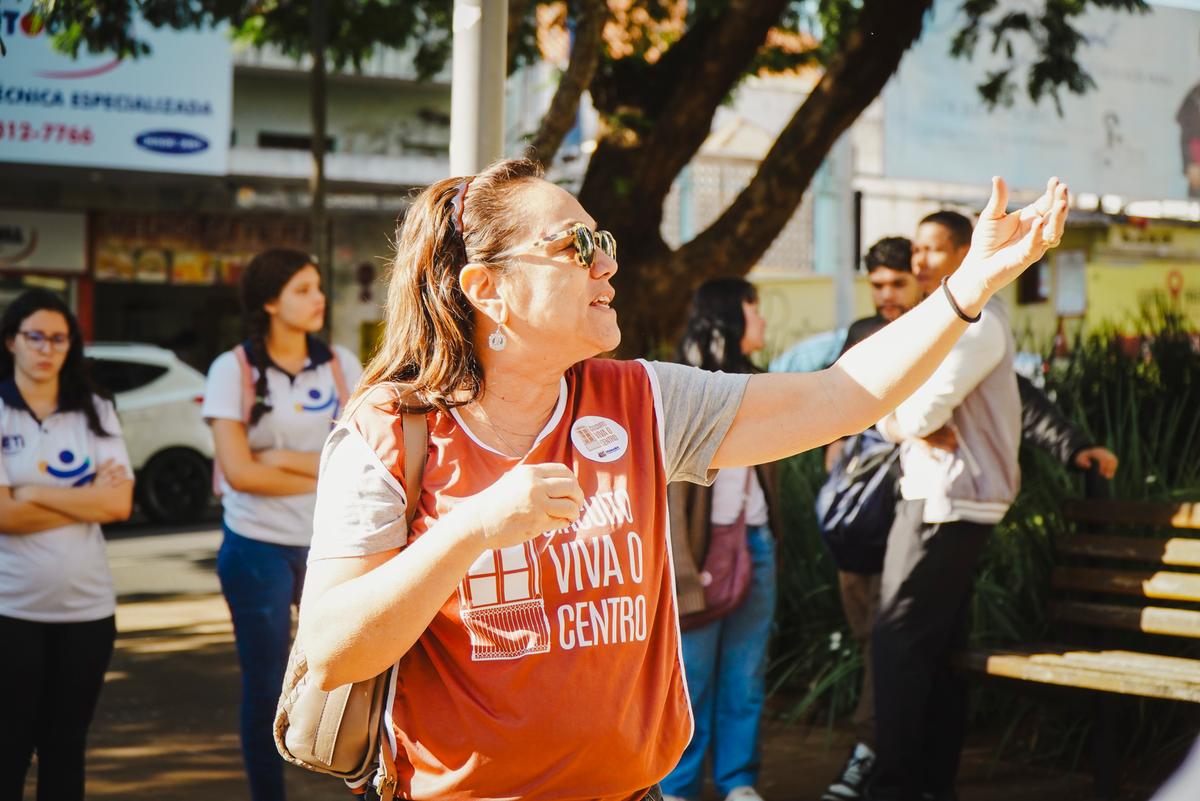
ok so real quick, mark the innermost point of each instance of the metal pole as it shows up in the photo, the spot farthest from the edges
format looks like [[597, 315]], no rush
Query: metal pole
[[477, 84], [846, 259]]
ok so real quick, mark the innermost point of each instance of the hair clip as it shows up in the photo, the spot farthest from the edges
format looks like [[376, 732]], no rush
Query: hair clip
[[459, 204]]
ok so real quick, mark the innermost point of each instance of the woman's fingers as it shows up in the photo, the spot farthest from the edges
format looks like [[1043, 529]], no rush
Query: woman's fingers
[[565, 488], [1056, 220], [560, 509], [998, 201]]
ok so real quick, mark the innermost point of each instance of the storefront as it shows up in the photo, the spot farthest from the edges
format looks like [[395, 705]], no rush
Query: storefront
[[45, 249], [172, 279]]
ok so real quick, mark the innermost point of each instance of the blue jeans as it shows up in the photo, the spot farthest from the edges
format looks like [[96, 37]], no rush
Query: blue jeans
[[726, 664], [261, 581]]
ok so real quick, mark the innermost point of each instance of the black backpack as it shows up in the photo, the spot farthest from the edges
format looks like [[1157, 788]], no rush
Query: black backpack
[[857, 503]]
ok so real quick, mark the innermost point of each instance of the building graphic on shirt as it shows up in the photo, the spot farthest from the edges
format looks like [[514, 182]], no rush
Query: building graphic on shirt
[[500, 602]]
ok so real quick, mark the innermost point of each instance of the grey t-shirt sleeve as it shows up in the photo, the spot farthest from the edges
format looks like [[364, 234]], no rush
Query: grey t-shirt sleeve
[[697, 409], [360, 504]]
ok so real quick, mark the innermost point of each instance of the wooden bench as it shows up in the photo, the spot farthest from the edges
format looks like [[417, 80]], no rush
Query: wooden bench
[[1110, 591]]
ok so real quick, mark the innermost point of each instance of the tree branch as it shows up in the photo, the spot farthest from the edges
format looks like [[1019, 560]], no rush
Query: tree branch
[[585, 55], [683, 123], [854, 78]]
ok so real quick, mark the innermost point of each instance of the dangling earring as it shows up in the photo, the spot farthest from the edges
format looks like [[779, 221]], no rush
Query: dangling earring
[[497, 340]]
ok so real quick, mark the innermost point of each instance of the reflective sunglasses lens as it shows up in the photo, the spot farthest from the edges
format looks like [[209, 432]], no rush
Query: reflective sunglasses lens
[[585, 248], [607, 243]]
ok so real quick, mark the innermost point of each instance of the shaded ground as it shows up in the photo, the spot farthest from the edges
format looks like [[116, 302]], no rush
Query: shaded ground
[[166, 728]]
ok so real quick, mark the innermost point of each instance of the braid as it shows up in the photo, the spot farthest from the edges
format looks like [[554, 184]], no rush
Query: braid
[[257, 356], [263, 279]]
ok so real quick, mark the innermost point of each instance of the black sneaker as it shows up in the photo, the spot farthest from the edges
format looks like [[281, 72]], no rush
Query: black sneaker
[[949, 795], [852, 783]]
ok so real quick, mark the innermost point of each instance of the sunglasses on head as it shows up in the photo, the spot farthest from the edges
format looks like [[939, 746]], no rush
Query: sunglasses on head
[[585, 244]]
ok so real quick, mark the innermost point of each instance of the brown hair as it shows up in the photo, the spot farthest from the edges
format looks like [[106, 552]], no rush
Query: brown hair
[[262, 282], [429, 324]]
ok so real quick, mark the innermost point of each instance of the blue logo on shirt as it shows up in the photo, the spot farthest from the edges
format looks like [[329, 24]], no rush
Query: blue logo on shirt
[[318, 401], [11, 445], [66, 471]]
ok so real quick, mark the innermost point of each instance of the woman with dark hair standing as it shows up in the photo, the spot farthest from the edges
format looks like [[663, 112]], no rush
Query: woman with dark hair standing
[[725, 659], [63, 472], [271, 402]]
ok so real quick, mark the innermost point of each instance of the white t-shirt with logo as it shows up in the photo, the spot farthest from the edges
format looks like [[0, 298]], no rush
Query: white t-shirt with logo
[[59, 575], [303, 408]]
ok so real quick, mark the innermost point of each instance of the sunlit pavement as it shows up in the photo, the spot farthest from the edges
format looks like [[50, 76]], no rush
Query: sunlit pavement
[[166, 728]]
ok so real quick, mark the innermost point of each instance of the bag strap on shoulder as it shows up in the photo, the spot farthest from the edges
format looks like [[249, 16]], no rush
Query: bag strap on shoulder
[[247, 382], [415, 431], [339, 378], [416, 448]]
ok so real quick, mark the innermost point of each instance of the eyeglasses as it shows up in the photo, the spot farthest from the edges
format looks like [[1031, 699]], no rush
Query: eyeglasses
[[39, 340], [585, 244]]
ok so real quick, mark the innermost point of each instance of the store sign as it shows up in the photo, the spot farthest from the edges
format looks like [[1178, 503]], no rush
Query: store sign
[[42, 241], [187, 249], [1136, 134], [168, 111]]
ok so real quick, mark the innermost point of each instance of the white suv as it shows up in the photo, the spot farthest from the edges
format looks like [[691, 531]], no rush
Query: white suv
[[159, 399]]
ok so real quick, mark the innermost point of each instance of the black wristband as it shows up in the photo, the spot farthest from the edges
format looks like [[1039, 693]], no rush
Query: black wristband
[[962, 315]]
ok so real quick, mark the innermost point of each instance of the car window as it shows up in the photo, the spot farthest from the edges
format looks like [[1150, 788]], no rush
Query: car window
[[122, 376]]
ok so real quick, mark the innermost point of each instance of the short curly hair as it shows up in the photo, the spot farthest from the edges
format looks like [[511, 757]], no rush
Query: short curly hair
[[893, 252]]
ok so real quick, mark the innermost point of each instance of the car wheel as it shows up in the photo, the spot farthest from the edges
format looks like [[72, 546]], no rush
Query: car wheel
[[175, 486]]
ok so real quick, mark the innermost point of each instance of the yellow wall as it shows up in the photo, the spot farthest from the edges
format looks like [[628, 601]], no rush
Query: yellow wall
[[799, 306]]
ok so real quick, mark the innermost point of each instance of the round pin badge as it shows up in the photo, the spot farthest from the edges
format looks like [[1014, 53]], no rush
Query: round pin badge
[[599, 438]]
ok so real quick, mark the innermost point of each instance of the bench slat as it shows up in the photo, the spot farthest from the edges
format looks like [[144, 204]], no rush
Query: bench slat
[[1149, 513], [1156, 665], [1179, 551], [1148, 619], [1141, 583], [1052, 668]]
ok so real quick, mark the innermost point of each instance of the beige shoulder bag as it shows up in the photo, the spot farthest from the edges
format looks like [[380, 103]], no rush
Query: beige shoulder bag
[[340, 732]]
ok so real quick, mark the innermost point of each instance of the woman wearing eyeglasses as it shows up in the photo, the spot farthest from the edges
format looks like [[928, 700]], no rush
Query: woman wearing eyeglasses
[[63, 472], [530, 605]]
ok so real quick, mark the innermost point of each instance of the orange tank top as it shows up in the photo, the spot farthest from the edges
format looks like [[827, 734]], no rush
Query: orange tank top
[[554, 670]]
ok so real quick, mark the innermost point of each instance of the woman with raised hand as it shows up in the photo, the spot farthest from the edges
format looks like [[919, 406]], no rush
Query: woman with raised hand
[[271, 402], [724, 649], [63, 472], [530, 605]]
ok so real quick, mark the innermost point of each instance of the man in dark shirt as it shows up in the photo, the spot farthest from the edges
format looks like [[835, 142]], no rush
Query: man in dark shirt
[[894, 288]]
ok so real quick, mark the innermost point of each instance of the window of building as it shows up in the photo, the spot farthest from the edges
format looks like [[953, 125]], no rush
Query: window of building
[[273, 140]]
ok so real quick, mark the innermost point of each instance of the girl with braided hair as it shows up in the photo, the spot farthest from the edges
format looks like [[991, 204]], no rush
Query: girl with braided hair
[[271, 402]]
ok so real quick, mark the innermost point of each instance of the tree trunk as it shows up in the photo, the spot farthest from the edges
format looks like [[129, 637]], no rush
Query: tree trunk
[[564, 107], [655, 283], [319, 219]]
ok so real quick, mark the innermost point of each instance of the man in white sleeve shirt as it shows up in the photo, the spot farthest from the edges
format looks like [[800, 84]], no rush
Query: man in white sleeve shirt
[[960, 433]]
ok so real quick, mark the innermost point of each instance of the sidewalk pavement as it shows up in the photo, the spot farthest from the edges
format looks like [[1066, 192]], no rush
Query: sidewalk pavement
[[166, 728]]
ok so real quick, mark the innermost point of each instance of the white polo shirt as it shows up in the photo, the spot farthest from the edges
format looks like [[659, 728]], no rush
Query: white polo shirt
[[59, 575], [303, 408]]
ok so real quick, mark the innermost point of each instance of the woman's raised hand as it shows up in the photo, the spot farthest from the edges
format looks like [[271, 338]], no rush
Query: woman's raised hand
[[527, 501], [1005, 243]]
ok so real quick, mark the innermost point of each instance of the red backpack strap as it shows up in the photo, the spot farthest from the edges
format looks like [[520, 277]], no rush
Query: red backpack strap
[[247, 406], [248, 394], [339, 379]]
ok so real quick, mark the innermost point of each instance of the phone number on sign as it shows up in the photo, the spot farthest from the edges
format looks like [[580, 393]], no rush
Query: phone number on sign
[[51, 132]]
